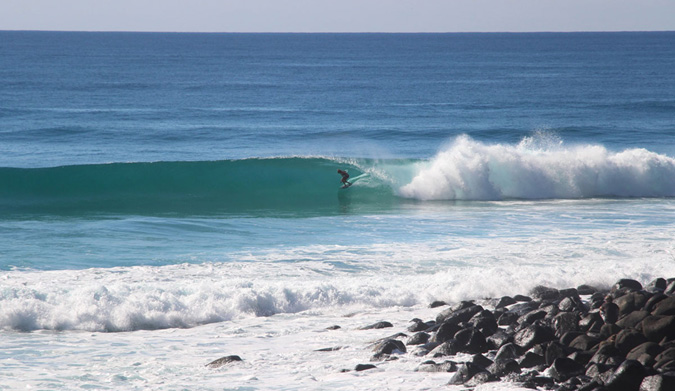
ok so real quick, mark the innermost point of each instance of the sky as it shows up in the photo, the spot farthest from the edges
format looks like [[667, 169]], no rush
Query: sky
[[338, 15]]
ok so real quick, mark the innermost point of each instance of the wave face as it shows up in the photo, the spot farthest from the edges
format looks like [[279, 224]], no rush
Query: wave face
[[540, 167], [274, 185]]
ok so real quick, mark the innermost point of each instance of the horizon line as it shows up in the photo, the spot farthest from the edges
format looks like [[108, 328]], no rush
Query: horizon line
[[338, 32]]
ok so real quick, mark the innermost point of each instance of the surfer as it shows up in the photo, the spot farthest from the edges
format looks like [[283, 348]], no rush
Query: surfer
[[345, 176]]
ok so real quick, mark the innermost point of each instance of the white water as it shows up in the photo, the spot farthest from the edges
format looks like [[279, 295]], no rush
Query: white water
[[540, 167]]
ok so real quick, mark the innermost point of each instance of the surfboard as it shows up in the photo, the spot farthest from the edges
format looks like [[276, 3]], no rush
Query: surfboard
[[352, 180]]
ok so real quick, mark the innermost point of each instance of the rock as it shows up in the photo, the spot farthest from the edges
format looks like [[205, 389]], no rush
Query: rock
[[608, 330], [521, 298], [532, 316], [332, 349], [447, 348], [581, 357], [465, 372], [363, 367], [507, 352], [657, 285], [472, 341], [565, 322], [446, 331], [437, 303], [657, 327], [457, 316], [569, 336], [543, 293], [627, 339], [586, 290], [532, 335], [664, 357], [431, 366], [663, 382], [508, 318], [531, 360], [418, 339], [665, 307], [630, 302], [628, 284], [584, 342], [670, 289], [555, 350], [564, 368], [223, 360], [650, 348], [388, 346], [590, 322], [568, 292], [485, 322], [627, 377], [505, 301], [571, 304], [378, 325], [498, 339], [334, 327], [604, 353], [655, 299], [631, 320], [417, 325], [481, 361], [480, 378], [504, 367], [594, 370]]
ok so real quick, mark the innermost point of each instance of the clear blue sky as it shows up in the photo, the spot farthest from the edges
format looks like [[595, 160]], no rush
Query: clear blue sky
[[338, 15]]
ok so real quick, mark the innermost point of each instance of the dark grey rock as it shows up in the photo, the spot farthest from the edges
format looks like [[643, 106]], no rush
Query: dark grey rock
[[606, 350], [627, 377], [389, 346], [586, 289], [447, 348], [431, 366], [655, 299], [531, 360], [532, 335], [627, 339], [451, 315], [657, 327], [607, 330], [594, 370], [472, 341], [498, 339], [584, 342], [223, 361], [446, 331], [564, 368], [480, 378], [590, 322], [485, 322], [582, 357], [630, 321], [505, 301], [554, 350], [665, 307], [657, 285], [502, 368], [627, 283], [377, 325], [532, 316], [521, 298], [363, 367], [507, 352], [417, 325], [508, 318], [569, 336], [481, 361], [332, 349], [437, 303], [630, 302], [334, 327], [464, 373], [664, 357], [565, 322], [418, 339], [659, 382], [543, 293]]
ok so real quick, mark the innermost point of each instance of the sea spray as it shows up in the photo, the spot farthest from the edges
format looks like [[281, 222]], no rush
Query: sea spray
[[471, 170]]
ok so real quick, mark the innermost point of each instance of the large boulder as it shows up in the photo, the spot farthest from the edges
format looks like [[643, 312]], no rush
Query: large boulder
[[657, 327], [665, 382], [532, 335], [627, 339], [665, 307], [627, 377]]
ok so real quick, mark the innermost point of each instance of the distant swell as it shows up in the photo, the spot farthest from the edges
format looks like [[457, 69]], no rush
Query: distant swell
[[540, 167]]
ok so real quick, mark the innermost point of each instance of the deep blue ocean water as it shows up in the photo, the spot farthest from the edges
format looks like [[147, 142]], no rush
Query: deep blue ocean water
[[129, 149]]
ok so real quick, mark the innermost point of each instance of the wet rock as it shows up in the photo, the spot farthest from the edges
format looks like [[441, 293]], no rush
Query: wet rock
[[464, 373], [378, 325], [609, 311], [446, 331], [532, 316], [331, 349], [505, 301], [531, 360], [655, 299], [447, 348], [665, 382], [508, 318], [498, 339], [627, 377], [657, 327], [608, 330], [437, 303], [502, 368], [507, 352], [664, 357], [631, 302], [627, 284], [569, 336], [591, 321], [387, 347], [334, 327], [417, 325], [481, 361], [630, 321], [554, 350], [431, 366], [532, 335], [565, 322], [657, 285], [665, 307], [480, 378], [485, 322], [543, 293], [564, 368], [628, 339], [584, 342], [223, 361], [364, 367], [457, 316], [586, 289], [521, 298], [604, 353], [582, 358], [418, 339], [472, 341]]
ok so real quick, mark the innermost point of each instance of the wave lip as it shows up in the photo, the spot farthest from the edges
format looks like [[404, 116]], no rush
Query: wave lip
[[540, 168]]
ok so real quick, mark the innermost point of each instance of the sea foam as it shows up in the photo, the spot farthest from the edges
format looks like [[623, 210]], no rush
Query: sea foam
[[540, 167]]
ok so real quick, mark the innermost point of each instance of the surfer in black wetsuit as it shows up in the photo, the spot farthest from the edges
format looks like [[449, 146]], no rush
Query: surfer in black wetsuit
[[345, 176]]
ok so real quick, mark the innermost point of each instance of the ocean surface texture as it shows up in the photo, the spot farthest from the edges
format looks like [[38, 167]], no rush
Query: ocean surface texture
[[169, 199]]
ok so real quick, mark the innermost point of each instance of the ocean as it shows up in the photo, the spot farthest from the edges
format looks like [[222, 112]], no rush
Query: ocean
[[169, 199]]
